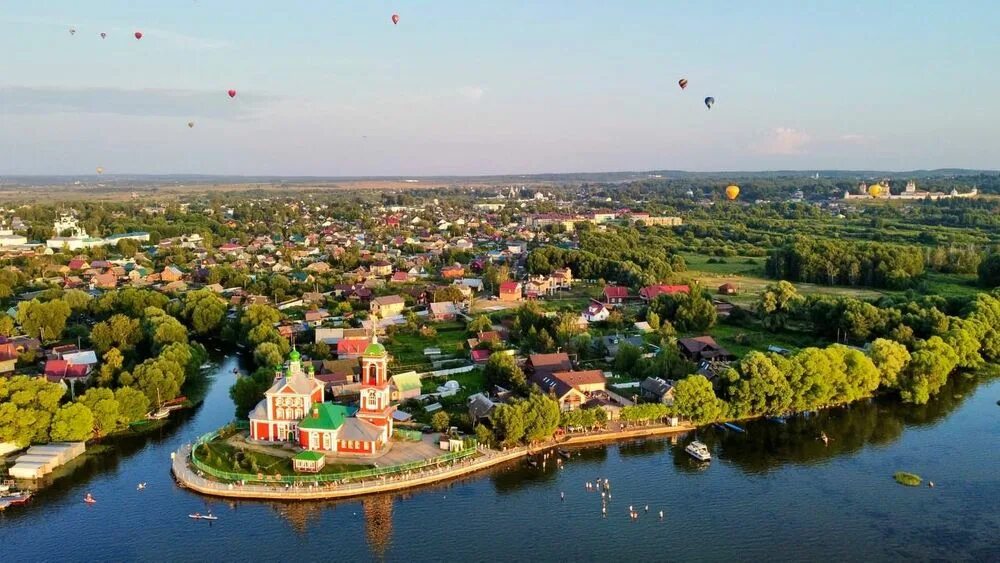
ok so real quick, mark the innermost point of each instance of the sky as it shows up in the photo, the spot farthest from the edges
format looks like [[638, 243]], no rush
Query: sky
[[472, 87]]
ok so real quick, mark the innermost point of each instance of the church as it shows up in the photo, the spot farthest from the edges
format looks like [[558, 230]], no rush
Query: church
[[294, 409]]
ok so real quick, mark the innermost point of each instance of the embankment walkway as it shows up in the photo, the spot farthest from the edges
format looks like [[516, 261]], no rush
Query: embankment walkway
[[189, 477]]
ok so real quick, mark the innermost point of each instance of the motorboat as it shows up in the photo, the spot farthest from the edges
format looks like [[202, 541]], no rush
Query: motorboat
[[159, 414], [698, 451]]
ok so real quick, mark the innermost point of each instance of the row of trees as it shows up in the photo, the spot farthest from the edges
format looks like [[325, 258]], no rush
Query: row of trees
[[31, 411], [839, 262]]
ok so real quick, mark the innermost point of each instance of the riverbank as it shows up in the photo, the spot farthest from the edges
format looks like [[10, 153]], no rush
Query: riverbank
[[486, 458]]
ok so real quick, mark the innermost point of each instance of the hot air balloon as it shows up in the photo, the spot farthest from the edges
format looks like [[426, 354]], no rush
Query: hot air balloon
[[732, 191], [875, 190], [709, 101], [190, 124], [72, 31], [683, 83], [103, 35], [395, 19], [232, 93], [138, 35], [100, 170]]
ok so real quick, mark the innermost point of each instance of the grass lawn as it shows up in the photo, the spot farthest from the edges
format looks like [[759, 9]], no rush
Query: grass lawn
[[408, 349], [223, 457], [952, 285], [732, 265]]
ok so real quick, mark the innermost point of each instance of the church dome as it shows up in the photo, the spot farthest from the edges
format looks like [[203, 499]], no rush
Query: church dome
[[374, 350], [294, 355]]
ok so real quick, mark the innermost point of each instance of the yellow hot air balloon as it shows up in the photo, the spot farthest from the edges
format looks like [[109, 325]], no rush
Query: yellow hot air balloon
[[875, 190], [732, 191], [100, 170]]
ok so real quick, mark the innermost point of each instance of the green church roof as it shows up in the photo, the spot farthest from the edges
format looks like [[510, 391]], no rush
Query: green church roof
[[294, 355], [326, 416], [308, 456], [375, 350]]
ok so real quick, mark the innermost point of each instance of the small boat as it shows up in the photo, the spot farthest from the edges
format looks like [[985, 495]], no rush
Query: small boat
[[720, 427], [199, 516], [206, 365], [159, 414], [698, 451], [565, 454], [732, 426]]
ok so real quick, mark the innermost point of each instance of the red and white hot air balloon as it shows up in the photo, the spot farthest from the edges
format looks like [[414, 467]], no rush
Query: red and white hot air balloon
[[138, 35], [232, 93], [395, 19]]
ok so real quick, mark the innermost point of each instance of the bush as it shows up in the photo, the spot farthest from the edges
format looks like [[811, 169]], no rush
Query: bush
[[908, 479]]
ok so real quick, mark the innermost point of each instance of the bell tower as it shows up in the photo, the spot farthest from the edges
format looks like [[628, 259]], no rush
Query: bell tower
[[375, 407]]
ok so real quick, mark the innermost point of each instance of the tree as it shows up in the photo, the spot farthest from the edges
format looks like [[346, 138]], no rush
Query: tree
[[653, 320], [485, 436], [249, 390], [119, 331], [989, 271], [204, 310], [448, 293], [6, 325], [541, 417], [891, 358], [72, 423], [159, 379], [46, 321], [321, 350], [27, 405], [759, 388], [440, 421], [508, 421], [164, 329], [267, 354], [132, 405], [627, 359], [482, 323], [502, 370], [776, 304], [104, 407], [496, 275], [76, 299], [113, 361], [695, 400], [927, 371]]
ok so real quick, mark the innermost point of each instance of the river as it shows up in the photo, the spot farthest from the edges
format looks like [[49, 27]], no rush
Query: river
[[773, 493]]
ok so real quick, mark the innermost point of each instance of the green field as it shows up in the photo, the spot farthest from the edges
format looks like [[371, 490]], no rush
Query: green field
[[407, 350], [741, 340]]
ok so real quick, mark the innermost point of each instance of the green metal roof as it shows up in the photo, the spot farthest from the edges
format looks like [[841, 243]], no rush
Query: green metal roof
[[294, 355], [326, 416], [406, 381], [308, 456], [375, 350]]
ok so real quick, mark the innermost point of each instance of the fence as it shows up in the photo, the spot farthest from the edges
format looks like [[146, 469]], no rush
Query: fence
[[343, 477]]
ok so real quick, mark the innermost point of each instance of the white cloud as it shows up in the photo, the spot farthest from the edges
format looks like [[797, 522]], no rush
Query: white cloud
[[785, 141], [474, 93]]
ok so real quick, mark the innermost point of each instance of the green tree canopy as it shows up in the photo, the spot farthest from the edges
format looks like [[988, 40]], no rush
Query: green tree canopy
[[73, 422]]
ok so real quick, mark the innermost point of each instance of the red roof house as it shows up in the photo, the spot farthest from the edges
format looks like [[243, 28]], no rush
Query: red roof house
[[650, 292]]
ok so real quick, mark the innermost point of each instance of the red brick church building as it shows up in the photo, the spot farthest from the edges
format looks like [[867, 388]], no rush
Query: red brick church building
[[294, 409]]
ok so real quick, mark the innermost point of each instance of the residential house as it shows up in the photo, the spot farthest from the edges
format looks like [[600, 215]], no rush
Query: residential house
[[388, 306], [596, 312], [455, 271], [316, 317], [728, 289], [317, 268], [703, 348], [650, 292], [403, 386], [658, 390], [381, 269], [400, 277], [549, 363], [570, 388], [510, 292], [615, 294], [8, 357], [480, 407], [443, 311], [351, 348]]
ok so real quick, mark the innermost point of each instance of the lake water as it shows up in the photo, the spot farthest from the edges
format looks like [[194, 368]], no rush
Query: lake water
[[773, 493]]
